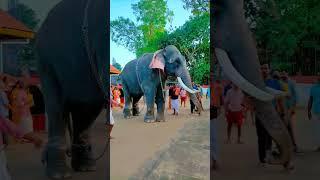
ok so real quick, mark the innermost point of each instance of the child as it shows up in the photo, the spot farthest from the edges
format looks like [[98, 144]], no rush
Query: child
[[183, 97], [110, 123], [7, 127]]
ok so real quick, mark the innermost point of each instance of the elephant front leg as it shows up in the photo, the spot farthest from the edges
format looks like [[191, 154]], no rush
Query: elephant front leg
[[160, 101], [149, 98], [54, 155]]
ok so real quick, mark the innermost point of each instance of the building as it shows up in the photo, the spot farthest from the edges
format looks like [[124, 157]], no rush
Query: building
[[13, 35]]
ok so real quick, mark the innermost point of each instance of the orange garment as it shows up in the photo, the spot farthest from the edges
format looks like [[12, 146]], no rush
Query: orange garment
[[116, 94], [21, 102]]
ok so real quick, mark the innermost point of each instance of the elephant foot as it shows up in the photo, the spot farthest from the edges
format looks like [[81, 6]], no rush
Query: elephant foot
[[82, 158], [149, 119], [56, 167], [160, 118], [135, 111], [127, 113]]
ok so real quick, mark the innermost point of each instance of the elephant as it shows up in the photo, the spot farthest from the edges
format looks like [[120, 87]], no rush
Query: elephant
[[236, 53], [146, 77], [72, 51]]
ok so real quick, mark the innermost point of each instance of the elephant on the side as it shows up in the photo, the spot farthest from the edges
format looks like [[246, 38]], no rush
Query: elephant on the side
[[237, 54], [72, 49], [146, 76]]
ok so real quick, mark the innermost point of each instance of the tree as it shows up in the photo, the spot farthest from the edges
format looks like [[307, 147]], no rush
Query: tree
[[26, 56], [197, 7], [151, 19], [116, 64]]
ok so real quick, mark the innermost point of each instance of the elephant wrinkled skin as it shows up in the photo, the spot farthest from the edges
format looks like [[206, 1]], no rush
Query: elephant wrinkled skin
[[146, 77], [68, 82], [234, 38]]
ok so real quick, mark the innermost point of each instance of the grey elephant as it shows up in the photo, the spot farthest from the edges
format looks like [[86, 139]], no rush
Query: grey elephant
[[72, 48], [146, 77], [237, 54]]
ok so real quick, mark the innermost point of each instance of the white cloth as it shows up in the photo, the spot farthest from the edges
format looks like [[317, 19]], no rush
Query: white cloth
[[27, 124], [111, 118], [4, 174], [175, 104], [235, 99]]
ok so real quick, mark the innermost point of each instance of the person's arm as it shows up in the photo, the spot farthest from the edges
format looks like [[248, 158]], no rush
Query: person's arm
[[10, 128]]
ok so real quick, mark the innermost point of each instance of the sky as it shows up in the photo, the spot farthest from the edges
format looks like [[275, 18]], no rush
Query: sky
[[123, 8]]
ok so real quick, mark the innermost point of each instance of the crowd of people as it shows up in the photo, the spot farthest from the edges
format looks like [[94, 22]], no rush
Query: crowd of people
[[238, 107], [175, 92], [18, 111]]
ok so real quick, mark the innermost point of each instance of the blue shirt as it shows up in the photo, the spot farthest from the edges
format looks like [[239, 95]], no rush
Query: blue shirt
[[315, 94], [275, 84], [291, 102]]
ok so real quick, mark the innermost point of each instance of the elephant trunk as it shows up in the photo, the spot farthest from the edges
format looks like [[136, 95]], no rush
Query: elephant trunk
[[186, 81], [276, 127]]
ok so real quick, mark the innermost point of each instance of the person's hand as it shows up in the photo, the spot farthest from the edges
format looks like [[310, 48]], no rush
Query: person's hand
[[309, 115]]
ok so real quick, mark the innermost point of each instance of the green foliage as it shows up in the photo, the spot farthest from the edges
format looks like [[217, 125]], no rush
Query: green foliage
[[198, 7], [283, 26], [27, 16], [151, 19]]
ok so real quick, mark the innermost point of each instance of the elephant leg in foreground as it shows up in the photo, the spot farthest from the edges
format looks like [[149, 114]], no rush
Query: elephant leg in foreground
[[149, 97], [54, 154], [83, 116], [160, 101]]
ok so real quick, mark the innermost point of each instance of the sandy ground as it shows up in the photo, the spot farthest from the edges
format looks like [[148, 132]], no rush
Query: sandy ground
[[175, 149], [139, 147], [241, 161]]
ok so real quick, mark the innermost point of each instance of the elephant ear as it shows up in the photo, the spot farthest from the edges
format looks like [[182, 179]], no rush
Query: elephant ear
[[157, 61]]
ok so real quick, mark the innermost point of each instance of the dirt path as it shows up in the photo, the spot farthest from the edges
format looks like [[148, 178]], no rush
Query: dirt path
[[137, 143], [241, 161]]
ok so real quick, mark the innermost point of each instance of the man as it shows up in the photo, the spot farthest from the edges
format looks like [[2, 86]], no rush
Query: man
[[175, 99], [234, 110], [314, 109], [217, 94], [290, 103]]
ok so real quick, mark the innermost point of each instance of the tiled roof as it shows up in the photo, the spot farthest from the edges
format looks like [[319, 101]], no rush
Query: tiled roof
[[114, 70], [9, 26]]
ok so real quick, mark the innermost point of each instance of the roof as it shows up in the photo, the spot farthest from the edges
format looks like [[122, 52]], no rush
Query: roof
[[114, 70], [10, 28]]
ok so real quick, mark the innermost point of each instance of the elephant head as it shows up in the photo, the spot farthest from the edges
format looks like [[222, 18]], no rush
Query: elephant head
[[171, 61], [237, 54]]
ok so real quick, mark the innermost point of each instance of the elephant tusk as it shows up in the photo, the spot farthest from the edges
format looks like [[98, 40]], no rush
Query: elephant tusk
[[185, 87], [238, 79]]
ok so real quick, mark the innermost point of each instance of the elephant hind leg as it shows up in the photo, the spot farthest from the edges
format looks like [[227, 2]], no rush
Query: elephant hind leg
[[83, 116], [128, 101], [135, 106], [54, 153]]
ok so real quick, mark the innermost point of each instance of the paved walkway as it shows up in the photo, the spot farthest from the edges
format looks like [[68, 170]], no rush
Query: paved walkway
[[241, 161]]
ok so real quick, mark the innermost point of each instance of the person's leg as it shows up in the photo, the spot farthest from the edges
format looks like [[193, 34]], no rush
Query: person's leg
[[261, 141], [213, 143], [4, 174]]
